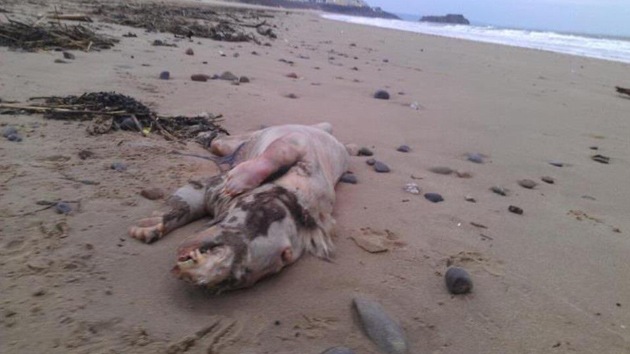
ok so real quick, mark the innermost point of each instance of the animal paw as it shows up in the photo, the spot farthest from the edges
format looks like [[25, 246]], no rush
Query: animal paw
[[148, 230], [241, 179]]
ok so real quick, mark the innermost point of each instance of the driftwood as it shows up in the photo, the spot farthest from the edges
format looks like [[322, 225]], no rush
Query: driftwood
[[623, 90]]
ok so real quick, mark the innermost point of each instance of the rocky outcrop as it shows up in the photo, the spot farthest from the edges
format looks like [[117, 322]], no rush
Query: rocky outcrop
[[345, 7], [450, 18]]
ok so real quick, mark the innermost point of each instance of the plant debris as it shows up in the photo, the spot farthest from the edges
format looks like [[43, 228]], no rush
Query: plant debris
[[31, 37], [110, 111], [222, 24]]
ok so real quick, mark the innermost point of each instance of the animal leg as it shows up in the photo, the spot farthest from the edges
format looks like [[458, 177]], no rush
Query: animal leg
[[228, 145], [283, 152], [186, 205]]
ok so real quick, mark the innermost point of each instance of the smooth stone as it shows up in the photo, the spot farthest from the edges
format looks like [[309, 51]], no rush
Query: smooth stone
[[442, 170], [9, 130], [370, 162], [412, 188], [433, 197], [291, 95], [338, 350], [527, 183], [63, 208], [14, 137], [381, 167], [165, 75], [458, 281], [60, 61], [152, 193], [228, 76], [292, 75], [199, 77], [352, 149], [370, 243], [474, 157], [499, 190], [68, 55], [470, 198], [243, 79], [189, 51], [348, 178], [556, 163], [381, 95], [515, 210], [119, 166], [379, 327], [547, 179], [365, 152], [403, 148]]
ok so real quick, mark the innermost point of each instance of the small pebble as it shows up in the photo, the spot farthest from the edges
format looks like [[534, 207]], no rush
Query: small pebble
[[601, 159], [527, 183], [370, 162], [365, 152], [291, 95], [381, 167], [412, 188], [381, 95], [68, 55], [499, 190], [235, 55], [9, 130], [39, 292], [594, 148], [292, 75], [352, 149], [515, 210], [14, 137], [379, 327], [458, 281], [199, 77], [243, 79], [475, 157], [338, 350], [152, 193], [63, 208], [60, 61], [348, 178], [556, 163], [547, 179], [433, 197], [165, 75], [403, 148], [189, 51], [85, 154], [119, 166], [228, 76], [470, 198], [441, 170]]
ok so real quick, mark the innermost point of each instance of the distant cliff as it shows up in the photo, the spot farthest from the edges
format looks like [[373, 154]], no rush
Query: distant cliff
[[345, 7], [450, 18]]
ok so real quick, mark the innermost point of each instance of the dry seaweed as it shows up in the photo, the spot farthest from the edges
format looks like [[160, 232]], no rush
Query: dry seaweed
[[31, 37], [110, 111], [230, 25]]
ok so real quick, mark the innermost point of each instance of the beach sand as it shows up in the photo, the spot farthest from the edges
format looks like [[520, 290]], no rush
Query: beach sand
[[552, 280]]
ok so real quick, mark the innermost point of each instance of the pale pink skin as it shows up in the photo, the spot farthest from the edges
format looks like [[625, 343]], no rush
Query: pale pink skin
[[315, 162]]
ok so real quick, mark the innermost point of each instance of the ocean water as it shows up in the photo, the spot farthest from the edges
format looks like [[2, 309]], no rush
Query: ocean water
[[614, 49]]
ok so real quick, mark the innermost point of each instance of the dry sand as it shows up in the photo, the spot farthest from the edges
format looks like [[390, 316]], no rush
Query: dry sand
[[553, 280]]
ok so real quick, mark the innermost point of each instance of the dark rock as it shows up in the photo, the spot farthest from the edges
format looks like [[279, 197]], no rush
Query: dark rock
[[381, 95], [442, 170], [199, 77], [68, 55], [475, 157], [228, 76], [152, 193], [292, 75], [128, 124], [119, 166], [348, 178], [60, 61], [189, 51], [433, 197], [39, 292], [403, 148], [450, 18], [499, 191], [527, 183], [165, 75], [236, 55], [291, 95], [370, 162], [255, 53], [458, 281], [601, 159], [9, 130], [379, 327], [594, 148], [381, 167], [515, 210], [548, 179], [556, 163], [365, 152], [14, 137], [354, 68], [85, 154], [63, 208], [338, 350], [385, 60], [243, 79]]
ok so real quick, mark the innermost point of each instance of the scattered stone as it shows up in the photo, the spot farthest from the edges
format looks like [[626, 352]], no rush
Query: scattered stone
[[556, 163], [470, 198], [189, 51], [39, 292], [228, 76], [165, 75], [458, 281], [381, 95], [588, 197], [352, 149], [243, 79], [291, 95], [475, 157], [527, 183], [365, 152], [160, 43], [68, 55], [433, 197], [355, 68], [338, 350], [14, 137], [8, 131], [85, 154], [601, 159], [255, 53], [379, 327], [349, 177], [236, 55], [371, 243], [60, 61], [515, 210], [293, 75], [152, 193], [412, 188], [403, 148], [381, 167], [442, 170], [199, 77], [594, 148], [63, 208], [119, 166], [500, 190], [547, 179], [370, 162]]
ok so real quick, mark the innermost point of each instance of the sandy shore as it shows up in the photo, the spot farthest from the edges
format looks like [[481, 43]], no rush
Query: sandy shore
[[553, 280]]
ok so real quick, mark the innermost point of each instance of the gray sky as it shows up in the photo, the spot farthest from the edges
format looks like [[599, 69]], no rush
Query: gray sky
[[611, 17]]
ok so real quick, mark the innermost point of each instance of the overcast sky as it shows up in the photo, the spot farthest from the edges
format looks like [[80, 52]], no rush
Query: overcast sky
[[610, 17]]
